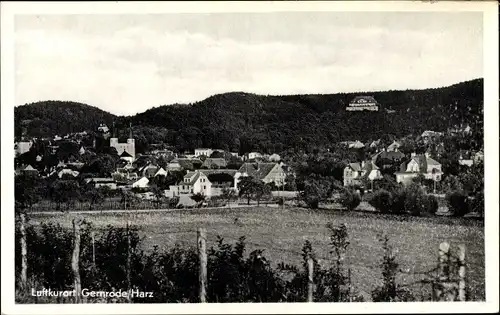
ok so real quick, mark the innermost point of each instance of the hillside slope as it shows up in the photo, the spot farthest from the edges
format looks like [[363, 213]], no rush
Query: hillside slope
[[245, 122], [249, 121], [49, 118]]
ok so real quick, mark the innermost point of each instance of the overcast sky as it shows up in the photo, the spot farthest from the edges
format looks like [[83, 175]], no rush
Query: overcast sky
[[126, 64]]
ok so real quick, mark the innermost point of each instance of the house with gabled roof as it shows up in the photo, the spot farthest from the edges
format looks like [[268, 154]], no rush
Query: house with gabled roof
[[265, 172], [195, 182], [211, 163], [356, 145], [141, 183], [127, 157], [179, 164], [101, 182], [419, 164], [149, 170], [161, 172], [355, 173], [394, 146], [387, 159], [68, 172]]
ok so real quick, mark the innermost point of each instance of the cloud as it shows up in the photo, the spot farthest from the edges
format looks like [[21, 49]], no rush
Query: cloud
[[135, 68]]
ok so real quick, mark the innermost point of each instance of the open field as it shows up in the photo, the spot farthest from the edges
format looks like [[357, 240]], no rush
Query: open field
[[282, 232]]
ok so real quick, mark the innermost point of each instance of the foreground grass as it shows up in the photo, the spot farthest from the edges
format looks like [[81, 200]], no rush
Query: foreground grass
[[282, 232]]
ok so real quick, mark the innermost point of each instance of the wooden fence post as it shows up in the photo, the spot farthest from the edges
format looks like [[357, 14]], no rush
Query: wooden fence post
[[310, 279], [24, 253], [202, 254], [75, 259], [446, 288], [461, 273], [128, 264]]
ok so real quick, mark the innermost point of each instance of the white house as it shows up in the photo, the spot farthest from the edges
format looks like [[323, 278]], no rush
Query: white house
[[67, 171], [394, 146], [22, 147], [141, 183], [265, 172], [102, 182], [354, 173], [254, 155], [203, 151], [193, 183], [161, 172], [419, 164], [274, 158], [356, 145]]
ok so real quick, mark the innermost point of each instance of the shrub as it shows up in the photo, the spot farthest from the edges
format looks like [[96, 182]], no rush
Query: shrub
[[458, 203], [477, 203], [432, 204], [381, 200], [390, 291], [413, 200], [350, 199]]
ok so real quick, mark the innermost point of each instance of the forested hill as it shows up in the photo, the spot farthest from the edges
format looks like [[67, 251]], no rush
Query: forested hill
[[243, 121], [271, 123], [49, 118]]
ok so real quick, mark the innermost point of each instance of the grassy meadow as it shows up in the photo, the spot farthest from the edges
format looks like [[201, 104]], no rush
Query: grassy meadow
[[282, 232]]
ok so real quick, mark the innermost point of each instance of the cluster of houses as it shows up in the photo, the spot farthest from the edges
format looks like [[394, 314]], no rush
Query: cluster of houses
[[208, 173], [406, 166], [204, 174]]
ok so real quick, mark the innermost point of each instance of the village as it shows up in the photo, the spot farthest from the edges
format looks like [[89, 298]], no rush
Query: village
[[209, 173]]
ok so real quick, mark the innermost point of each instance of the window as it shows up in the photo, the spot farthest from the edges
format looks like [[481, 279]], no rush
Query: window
[[204, 187]]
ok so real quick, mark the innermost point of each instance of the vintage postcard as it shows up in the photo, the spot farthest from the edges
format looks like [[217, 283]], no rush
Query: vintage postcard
[[249, 157]]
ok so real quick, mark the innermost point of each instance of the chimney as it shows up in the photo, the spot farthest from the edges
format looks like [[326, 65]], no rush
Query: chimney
[[362, 164]]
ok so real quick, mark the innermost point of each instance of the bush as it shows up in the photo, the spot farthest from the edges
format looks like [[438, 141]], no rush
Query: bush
[[390, 291], [458, 203], [350, 199], [381, 200], [413, 200], [477, 203], [173, 274], [432, 204]]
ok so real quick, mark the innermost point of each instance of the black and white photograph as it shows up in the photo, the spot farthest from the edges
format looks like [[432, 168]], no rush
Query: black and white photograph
[[257, 156]]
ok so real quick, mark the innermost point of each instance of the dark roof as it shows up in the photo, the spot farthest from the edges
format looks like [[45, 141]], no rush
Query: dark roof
[[187, 163], [355, 166], [363, 99], [391, 155], [125, 154], [219, 171], [193, 176], [257, 170], [220, 162]]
